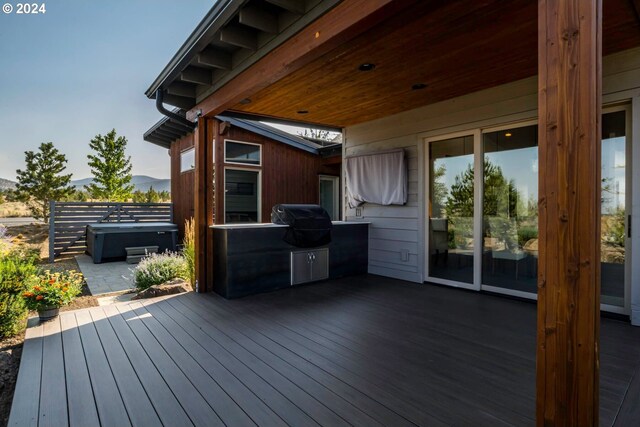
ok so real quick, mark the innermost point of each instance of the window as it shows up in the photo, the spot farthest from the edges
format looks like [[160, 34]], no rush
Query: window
[[241, 196], [188, 160], [242, 153]]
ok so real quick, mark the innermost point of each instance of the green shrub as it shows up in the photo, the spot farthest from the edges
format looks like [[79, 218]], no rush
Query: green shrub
[[526, 233], [159, 268], [15, 267], [13, 314]]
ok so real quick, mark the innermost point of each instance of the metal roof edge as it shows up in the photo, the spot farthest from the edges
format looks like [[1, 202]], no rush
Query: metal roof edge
[[209, 20], [271, 133]]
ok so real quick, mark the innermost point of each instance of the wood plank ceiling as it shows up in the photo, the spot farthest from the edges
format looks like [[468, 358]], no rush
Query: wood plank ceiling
[[450, 47]]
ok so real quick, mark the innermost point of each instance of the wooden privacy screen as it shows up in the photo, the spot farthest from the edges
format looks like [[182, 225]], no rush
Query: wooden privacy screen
[[68, 221]]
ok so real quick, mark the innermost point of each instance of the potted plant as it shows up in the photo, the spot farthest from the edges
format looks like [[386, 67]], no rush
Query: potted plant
[[47, 292]]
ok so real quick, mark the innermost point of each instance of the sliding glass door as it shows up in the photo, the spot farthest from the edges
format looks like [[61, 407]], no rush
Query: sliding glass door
[[451, 211], [482, 225], [510, 209], [614, 210]]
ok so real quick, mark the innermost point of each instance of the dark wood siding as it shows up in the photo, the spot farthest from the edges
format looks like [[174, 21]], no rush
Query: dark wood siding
[[289, 175], [182, 184]]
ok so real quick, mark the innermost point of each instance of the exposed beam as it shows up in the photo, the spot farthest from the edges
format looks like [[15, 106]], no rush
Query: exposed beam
[[294, 6], [196, 75], [569, 102], [179, 101], [179, 127], [345, 21], [167, 133], [214, 58], [239, 36], [181, 89], [259, 19]]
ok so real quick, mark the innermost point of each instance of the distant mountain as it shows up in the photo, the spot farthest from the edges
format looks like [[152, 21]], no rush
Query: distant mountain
[[6, 184], [140, 182]]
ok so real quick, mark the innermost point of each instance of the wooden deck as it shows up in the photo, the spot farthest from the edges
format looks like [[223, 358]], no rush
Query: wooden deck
[[366, 351]]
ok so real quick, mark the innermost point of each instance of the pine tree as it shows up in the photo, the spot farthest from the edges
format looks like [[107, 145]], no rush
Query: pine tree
[[110, 167], [42, 180]]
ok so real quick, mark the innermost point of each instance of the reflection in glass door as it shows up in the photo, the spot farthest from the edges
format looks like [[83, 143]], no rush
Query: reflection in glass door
[[614, 208], [510, 209], [451, 204]]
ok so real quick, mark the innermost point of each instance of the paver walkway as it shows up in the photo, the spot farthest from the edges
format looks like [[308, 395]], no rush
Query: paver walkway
[[107, 277]]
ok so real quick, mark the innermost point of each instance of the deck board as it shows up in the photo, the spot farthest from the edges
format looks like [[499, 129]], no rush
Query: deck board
[[109, 404], [82, 405], [163, 399], [139, 408], [53, 388], [364, 352], [194, 404], [24, 409], [228, 411]]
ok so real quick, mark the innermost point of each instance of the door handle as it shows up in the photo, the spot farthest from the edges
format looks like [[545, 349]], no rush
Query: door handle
[[629, 226]]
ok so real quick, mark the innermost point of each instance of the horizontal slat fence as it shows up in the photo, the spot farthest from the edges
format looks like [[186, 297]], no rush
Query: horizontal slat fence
[[68, 221]]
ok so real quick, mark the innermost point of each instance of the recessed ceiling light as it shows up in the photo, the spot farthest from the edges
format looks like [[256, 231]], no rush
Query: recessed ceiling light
[[367, 66], [245, 101], [418, 86], [508, 134], [303, 111]]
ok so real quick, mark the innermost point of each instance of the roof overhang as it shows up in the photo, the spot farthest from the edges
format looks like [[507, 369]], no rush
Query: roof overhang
[[231, 38], [424, 52]]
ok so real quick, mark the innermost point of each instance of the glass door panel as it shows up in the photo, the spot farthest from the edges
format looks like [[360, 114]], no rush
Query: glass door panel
[[451, 204], [613, 209], [510, 209]]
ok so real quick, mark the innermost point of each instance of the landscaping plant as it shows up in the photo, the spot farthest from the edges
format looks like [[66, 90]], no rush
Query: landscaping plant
[[189, 250], [15, 266], [156, 269], [52, 290]]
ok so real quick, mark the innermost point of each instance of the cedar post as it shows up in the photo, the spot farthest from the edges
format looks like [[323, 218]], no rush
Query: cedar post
[[200, 204], [569, 102]]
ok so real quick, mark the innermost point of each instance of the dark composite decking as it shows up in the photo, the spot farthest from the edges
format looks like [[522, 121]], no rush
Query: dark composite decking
[[362, 351]]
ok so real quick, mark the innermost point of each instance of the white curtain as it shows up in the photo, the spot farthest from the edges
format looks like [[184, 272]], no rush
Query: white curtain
[[379, 178]]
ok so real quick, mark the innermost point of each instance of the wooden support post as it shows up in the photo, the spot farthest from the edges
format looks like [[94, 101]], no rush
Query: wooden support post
[[200, 204], [569, 102]]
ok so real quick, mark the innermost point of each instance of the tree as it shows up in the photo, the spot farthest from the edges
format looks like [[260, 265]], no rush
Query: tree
[[110, 167], [42, 180]]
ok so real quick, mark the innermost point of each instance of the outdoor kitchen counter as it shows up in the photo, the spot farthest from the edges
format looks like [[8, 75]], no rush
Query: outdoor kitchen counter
[[253, 258]]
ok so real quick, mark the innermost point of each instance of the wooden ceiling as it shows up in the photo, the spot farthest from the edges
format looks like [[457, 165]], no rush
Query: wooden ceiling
[[452, 47]]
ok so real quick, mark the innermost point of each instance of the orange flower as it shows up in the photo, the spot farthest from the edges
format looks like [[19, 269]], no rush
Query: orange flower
[[27, 294], [37, 288], [65, 289], [52, 281], [39, 297]]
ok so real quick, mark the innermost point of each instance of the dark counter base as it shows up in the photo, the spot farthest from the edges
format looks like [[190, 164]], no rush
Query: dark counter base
[[253, 260]]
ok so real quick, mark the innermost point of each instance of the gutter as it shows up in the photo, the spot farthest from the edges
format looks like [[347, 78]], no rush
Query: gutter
[[178, 118]]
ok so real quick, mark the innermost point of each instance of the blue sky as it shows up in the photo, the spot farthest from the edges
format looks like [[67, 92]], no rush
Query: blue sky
[[82, 69]]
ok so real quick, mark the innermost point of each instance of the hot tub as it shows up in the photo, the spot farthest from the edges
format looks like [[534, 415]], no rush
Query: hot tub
[[107, 241]]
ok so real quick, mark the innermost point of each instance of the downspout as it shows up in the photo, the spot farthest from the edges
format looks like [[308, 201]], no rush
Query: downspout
[[178, 118]]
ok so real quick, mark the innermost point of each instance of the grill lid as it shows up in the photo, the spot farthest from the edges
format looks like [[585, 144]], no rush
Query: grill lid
[[309, 225]]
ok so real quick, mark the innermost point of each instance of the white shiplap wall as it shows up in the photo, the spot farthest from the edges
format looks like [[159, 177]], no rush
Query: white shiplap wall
[[398, 229]]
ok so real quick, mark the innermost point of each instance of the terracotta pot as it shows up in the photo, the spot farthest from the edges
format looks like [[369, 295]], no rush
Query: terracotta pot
[[48, 313]]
